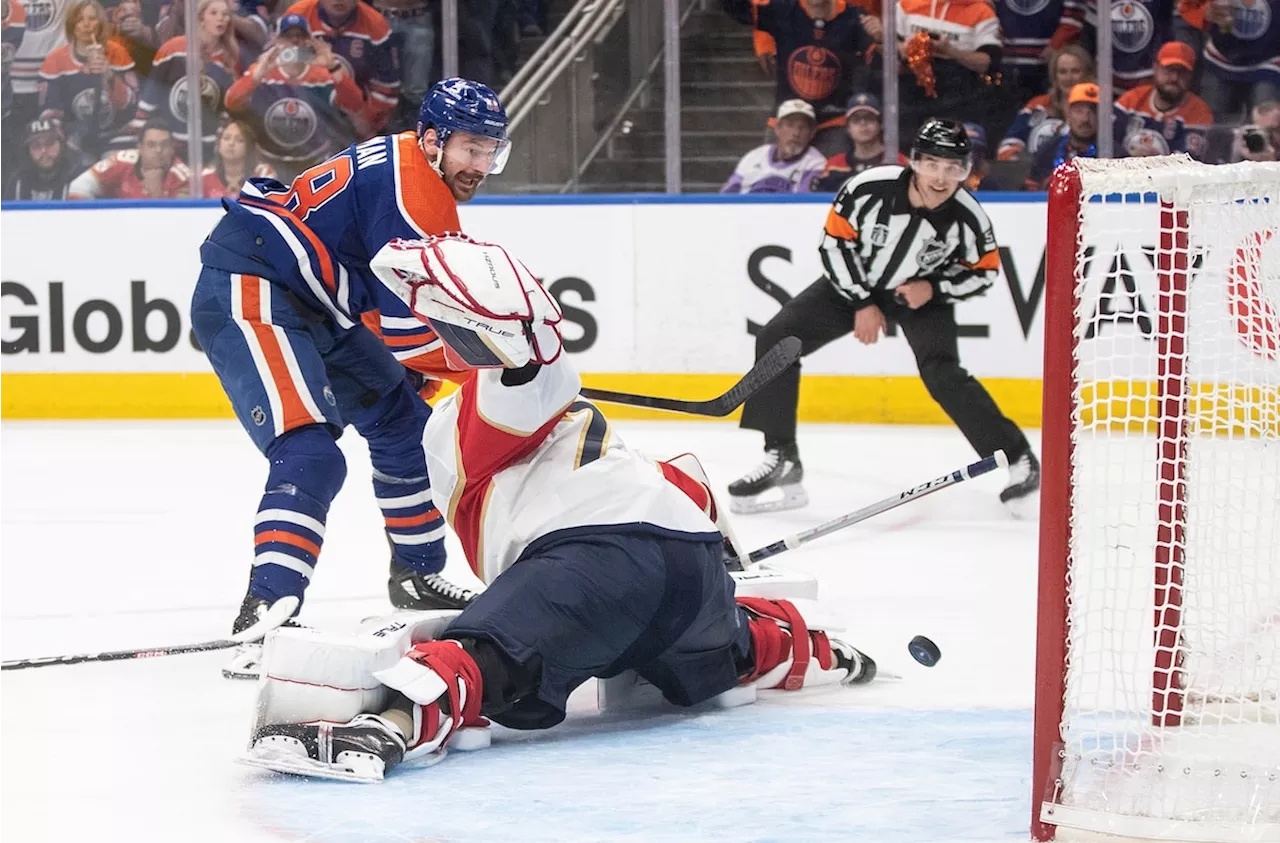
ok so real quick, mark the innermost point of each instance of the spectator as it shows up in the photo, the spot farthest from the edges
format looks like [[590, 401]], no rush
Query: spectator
[[47, 167], [414, 22], [235, 160], [1138, 29], [866, 145], [1242, 56], [1080, 139], [361, 41], [966, 54], [45, 31], [1259, 140], [1043, 117], [1033, 32], [297, 96], [248, 24], [151, 171], [89, 81], [14, 26], [980, 158], [1165, 116], [790, 165], [165, 95], [817, 51], [134, 23]]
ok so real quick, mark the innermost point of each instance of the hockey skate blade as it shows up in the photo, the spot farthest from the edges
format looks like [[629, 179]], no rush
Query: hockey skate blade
[[771, 500], [1025, 508], [280, 611], [296, 765], [245, 664]]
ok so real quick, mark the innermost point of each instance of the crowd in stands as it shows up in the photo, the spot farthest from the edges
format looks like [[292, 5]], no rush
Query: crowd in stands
[[95, 92], [1194, 76]]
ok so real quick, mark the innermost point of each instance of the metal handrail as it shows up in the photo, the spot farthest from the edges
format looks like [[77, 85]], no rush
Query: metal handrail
[[635, 93], [544, 76], [513, 87]]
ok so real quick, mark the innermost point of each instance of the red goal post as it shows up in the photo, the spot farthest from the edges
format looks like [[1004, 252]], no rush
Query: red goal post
[[1158, 646]]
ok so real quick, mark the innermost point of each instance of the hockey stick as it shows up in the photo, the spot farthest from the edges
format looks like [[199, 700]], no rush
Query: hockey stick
[[774, 362], [977, 469], [279, 612]]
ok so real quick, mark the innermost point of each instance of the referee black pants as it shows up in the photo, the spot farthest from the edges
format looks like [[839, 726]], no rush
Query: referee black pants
[[820, 314]]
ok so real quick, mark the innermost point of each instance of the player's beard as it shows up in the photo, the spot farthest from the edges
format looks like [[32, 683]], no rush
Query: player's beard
[[463, 184]]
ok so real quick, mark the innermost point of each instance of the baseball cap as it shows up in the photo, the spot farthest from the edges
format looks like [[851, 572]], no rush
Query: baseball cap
[[1084, 92], [43, 126], [293, 21], [796, 107], [1176, 54], [862, 102], [977, 135]]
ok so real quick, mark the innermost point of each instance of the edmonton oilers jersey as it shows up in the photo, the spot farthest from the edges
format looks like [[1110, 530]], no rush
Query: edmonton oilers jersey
[[1250, 52], [1139, 28], [317, 236], [1028, 26]]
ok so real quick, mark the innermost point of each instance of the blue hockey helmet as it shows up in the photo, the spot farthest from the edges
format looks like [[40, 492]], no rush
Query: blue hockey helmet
[[460, 105]]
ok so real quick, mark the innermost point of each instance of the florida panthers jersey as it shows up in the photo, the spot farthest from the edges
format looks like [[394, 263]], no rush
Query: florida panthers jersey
[[318, 235], [513, 464]]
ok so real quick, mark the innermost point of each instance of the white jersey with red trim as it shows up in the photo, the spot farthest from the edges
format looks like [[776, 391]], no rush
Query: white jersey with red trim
[[513, 464]]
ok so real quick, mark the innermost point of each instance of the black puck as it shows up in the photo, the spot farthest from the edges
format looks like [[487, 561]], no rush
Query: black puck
[[924, 651]]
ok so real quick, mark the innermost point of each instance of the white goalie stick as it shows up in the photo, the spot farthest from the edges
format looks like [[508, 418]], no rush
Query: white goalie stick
[[977, 469], [279, 612], [774, 362]]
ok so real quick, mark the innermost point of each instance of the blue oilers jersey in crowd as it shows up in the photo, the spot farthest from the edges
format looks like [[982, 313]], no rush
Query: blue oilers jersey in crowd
[[317, 236], [1139, 28], [1250, 52], [1028, 26]]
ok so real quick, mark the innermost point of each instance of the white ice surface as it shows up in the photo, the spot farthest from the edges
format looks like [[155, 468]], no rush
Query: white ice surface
[[118, 535]]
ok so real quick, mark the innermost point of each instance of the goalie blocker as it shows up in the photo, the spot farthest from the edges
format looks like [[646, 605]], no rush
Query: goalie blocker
[[597, 560]]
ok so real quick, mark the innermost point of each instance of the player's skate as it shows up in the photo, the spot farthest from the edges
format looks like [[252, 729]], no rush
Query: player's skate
[[361, 750], [791, 650], [246, 661], [1024, 482], [409, 589], [772, 486]]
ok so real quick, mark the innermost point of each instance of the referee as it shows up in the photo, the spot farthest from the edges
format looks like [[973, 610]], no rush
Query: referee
[[907, 243]]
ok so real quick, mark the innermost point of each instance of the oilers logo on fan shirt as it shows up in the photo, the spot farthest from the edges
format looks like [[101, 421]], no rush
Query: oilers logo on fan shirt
[[1132, 27], [210, 94], [1250, 19], [82, 106], [290, 122], [40, 14], [1027, 8]]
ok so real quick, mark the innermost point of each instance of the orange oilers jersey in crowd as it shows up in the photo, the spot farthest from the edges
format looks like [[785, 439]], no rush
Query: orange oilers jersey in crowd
[[968, 24], [512, 466], [1034, 126], [1141, 129], [117, 177], [363, 46], [164, 93], [319, 234]]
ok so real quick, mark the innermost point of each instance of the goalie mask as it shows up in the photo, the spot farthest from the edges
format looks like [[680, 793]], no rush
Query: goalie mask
[[486, 307]]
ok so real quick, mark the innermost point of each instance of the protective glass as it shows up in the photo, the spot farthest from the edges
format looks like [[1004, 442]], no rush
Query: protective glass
[[477, 152], [956, 169]]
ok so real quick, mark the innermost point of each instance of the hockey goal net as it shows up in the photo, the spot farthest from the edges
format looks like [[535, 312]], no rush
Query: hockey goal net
[[1158, 656]]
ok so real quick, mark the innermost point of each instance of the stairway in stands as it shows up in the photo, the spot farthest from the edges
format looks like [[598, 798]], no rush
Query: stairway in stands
[[725, 103]]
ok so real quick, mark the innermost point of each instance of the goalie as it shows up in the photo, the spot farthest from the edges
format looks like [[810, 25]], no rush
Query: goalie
[[598, 561]]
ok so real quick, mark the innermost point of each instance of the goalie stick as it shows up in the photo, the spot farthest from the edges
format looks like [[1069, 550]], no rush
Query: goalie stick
[[279, 612], [977, 469], [774, 362]]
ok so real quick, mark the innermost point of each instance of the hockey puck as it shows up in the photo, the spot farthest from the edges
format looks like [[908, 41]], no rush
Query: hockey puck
[[924, 651]]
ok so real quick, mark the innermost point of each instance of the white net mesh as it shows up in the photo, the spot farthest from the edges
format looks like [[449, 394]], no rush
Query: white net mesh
[[1171, 722]]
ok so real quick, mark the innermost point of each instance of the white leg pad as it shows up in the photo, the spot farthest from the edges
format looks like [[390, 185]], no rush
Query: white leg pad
[[775, 584], [310, 675]]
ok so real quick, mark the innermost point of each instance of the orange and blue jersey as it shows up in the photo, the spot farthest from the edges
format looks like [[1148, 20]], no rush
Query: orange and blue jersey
[[319, 234], [12, 28], [1028, 26], [164, 94], [1139, 28], [1250, 52], [95, 112], [1141, 129], [362, 43]]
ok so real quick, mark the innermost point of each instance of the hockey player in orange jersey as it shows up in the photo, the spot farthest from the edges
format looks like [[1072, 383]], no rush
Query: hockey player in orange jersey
[[281, 308]]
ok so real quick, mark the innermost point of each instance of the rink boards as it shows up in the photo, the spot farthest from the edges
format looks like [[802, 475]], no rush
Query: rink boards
[[660, 295]]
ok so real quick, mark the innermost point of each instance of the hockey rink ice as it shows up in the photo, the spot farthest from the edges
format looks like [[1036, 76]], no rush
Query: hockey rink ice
[[137, 534]]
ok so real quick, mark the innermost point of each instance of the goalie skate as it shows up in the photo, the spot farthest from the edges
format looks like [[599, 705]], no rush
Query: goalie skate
[[362, 750]]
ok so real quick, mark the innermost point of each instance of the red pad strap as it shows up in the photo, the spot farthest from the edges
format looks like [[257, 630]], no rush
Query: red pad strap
[[696, 491], [786, 612], [456, 667]]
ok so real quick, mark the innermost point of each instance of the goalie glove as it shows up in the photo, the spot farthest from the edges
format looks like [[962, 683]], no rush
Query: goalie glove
[[486, 307]]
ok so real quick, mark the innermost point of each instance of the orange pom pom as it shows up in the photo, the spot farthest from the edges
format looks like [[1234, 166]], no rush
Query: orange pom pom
[[919, 53]]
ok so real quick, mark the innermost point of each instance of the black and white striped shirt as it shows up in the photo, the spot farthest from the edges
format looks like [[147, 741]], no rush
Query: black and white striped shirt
[[874, 240]]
